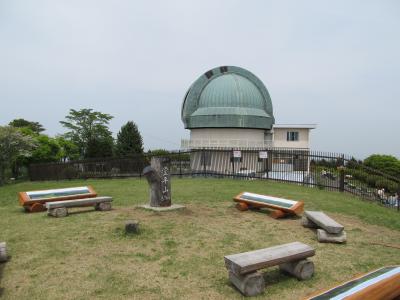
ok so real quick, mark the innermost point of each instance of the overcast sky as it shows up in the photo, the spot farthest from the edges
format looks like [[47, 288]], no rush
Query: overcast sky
[[333, 63]]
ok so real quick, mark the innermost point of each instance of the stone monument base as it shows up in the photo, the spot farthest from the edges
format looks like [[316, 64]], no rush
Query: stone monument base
[[162, 208]]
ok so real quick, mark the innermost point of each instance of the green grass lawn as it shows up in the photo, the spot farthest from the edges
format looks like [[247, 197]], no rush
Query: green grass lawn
[[179, 255]]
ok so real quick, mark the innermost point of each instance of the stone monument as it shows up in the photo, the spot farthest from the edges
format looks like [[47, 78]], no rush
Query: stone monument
[[3, 252], [159, 178]]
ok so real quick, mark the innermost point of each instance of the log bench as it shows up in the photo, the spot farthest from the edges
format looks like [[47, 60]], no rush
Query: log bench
[[60, 208], [328, 230], [281, 207], [3, 252], [383, 284], [244, 267]]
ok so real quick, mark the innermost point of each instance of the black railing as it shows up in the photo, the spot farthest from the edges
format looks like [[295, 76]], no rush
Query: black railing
[[331, 171]]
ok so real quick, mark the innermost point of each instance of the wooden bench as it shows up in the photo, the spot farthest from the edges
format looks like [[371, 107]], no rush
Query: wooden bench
[[60, 208], [34, 201], [328, 230], [280, 206], [3, 252], [382, 284], [244, 267]]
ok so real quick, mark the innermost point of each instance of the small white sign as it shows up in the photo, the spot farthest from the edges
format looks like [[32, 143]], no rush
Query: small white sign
[[237, 153], [263, 154]]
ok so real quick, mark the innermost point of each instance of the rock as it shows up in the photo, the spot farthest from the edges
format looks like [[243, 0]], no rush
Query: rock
[[250, 284], [325, 237], [132, 226], [301, 269]]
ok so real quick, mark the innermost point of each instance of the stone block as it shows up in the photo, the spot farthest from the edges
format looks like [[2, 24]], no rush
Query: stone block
[[326, 237]]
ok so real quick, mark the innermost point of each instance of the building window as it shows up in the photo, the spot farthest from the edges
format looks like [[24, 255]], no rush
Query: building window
[[292, 136]]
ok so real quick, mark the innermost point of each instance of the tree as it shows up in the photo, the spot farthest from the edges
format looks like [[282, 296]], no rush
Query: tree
[[385, 163], [47, 150], [129, 140], [100, 147], [87, 129], [68, 150], [35, 127], [13, 144]]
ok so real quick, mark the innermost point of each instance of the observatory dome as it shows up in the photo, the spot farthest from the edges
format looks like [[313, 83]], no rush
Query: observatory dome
[[227, 97]]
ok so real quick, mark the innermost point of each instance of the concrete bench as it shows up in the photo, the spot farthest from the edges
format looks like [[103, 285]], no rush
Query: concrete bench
[[3, 252], [60, 208], [383, 283], [328, 230], [244, 267], [280, 206]]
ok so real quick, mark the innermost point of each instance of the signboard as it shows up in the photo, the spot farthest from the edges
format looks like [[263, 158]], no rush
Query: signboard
[[237, 153], [383, 283], [34, 200], [263, 154], [257, 200], [58, 194]]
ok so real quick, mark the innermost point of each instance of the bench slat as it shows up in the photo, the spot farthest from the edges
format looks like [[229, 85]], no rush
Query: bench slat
[[78, 202], [246, 262], [324, 221]]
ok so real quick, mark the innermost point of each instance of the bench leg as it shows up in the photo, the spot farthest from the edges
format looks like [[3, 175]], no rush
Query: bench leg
[[37, 207], [276, 214], [103, 206], [58, 212], [3, 252], [306, 222], [242, 206], [301, 269], [326, 237], [251, 284]]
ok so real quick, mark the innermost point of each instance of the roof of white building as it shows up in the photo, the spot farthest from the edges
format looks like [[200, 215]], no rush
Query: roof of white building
[[294, 126]]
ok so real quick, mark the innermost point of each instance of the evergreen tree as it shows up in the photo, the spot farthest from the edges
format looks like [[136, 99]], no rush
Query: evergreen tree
[[129, 140], [100, 147]]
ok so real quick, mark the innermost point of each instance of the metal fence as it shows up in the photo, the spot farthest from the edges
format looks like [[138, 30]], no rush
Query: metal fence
[[331, 171]]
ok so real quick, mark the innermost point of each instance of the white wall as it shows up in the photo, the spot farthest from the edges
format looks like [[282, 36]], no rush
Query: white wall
[[280, 138], [227, 134]]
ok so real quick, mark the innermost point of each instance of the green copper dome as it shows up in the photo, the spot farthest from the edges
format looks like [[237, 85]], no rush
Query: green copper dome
[[227, 97]]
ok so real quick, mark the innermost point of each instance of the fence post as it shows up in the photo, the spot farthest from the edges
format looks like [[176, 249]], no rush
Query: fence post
[[233, 164], [303, 166], [398, 198], [180, 163], [203, 155], [341, 179]]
